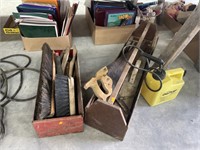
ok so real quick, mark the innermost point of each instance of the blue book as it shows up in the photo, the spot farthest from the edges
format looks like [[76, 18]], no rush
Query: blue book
[[36, 8]]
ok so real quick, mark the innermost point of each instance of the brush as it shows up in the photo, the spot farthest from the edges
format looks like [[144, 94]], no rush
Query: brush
[[68, 61], [65, 59], [73, 53], [52, 113], [62, 107], [43, 100], [69, 71]]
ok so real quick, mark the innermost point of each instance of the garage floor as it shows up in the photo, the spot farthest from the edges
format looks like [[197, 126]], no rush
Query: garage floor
[[172, 125]]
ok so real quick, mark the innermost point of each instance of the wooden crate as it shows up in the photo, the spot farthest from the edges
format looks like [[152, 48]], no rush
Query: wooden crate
[[111, 119], [63, 125]]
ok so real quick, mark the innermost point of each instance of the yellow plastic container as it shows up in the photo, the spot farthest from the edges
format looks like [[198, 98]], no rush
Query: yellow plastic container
[[171, 86]]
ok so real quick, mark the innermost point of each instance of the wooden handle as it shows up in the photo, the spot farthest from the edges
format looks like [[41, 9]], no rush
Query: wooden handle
[[106, 83], [135, 71]]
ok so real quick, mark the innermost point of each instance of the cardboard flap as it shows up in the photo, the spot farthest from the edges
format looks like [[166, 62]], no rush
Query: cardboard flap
[[56, 43], [171, 23], [10, 26]]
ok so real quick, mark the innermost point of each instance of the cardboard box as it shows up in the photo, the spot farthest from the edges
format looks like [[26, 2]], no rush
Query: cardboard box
[[56, 43], [35, 44], [108, 35], [112, 119], [63, 125], [10, 27], [192, 49]]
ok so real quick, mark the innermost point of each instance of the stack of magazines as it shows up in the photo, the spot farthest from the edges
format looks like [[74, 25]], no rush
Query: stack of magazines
[[113, 13], [45, 18]]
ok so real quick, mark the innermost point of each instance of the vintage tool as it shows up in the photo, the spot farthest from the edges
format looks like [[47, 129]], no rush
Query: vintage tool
[[127, 66], [105, 90], [119, 69], [52, 113], [72, 102], [65, 59], [65, 95], [61, 91], [44, 96], [172, 82], [72, 61], [70, 70]]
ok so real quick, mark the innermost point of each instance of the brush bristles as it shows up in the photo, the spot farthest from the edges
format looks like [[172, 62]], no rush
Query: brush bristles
[[43, 101], [62, 96]]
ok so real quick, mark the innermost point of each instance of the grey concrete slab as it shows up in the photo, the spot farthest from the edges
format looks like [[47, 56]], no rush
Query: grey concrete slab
[[172, 125]]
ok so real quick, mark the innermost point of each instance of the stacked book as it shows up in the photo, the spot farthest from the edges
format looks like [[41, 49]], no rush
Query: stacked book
[[113, 13], [45, 18]]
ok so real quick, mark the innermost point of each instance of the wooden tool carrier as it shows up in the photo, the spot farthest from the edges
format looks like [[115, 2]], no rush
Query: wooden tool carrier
[[112, 115], [48, 120]]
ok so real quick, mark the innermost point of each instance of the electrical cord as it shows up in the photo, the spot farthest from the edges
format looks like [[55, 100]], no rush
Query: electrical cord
[[4, 86], [150, 69]]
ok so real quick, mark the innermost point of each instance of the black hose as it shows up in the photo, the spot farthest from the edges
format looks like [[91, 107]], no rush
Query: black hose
[[150, 69], [4, 85]]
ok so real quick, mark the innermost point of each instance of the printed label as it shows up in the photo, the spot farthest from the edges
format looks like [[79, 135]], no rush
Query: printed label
[[169, 92], [11, 30]]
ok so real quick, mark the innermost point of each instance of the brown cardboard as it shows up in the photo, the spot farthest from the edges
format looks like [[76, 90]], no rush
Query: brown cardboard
[[63, 125], [56, 43], [111, 119], [192, 49], [35, 44], [10, 27], [108, 35]]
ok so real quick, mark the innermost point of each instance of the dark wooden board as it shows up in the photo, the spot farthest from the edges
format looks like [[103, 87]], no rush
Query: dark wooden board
[[107, 118], [182, 38]]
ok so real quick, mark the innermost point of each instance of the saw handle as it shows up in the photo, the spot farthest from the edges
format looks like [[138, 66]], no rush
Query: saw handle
[[106, 83]]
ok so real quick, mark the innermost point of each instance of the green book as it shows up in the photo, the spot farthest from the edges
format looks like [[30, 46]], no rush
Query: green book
[[32, 15], [35, 30]]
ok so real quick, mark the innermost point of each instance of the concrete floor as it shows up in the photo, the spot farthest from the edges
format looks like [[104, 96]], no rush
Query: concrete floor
[[173, 125]]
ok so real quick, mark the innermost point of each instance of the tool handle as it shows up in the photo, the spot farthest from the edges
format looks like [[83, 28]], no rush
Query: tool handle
[[106, 83], [58, 65]]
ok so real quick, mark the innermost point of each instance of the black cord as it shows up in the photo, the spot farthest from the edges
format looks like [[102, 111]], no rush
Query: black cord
[[11, 98], [150, 70], [4, 85]]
